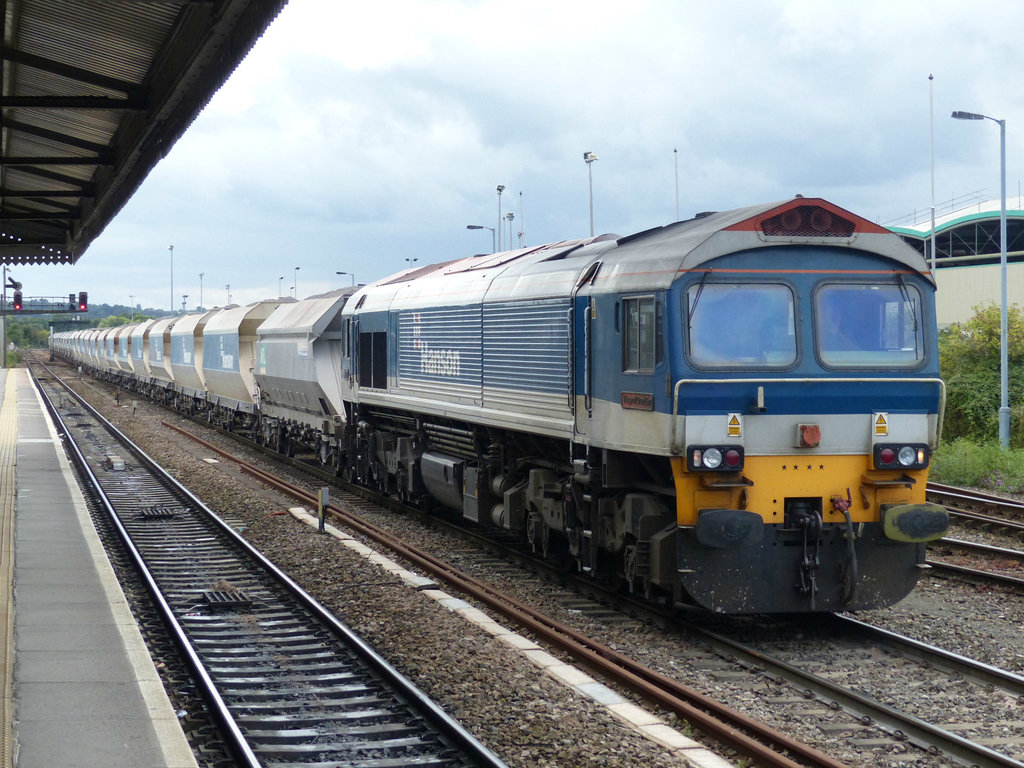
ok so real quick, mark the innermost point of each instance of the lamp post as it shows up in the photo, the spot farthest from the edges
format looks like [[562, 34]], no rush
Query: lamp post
[[131, 308], [184, 298], [1004, 396], [510, 216], [351, 276], [200, 290], [171, 249], [501, 188], [411, 260], [522, 220], [295, 283], [280, 281], [494, 247], [589, 158], [675, 154]]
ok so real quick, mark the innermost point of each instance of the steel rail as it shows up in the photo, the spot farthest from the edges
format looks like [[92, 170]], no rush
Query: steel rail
[[974, 496], [719, 722], [971, 669], [987, 549], [977, 517], [975, 575]]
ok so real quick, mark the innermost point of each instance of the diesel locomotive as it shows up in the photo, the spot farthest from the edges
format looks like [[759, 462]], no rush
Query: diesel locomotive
[[736, 411]]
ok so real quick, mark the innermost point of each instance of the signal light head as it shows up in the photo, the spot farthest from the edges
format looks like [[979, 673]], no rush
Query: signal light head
[[17, 301], [897, 456], [714, 458]]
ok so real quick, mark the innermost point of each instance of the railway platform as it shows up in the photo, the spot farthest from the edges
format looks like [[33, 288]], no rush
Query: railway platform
[[79, 688]]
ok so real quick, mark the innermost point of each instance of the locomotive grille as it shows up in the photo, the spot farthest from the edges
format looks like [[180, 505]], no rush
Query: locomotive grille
[[807, 221]]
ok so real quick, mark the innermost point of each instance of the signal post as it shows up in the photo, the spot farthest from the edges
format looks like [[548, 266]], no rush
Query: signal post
[[34, 305]]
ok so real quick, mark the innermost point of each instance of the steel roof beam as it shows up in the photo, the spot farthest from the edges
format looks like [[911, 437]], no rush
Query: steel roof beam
[[71, 72], [103, 159], [74, 102], [60, 178], [37, 216], [62, 138], [86, 191]]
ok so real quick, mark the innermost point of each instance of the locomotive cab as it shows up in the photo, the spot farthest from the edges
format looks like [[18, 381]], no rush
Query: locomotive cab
[[818, 366]]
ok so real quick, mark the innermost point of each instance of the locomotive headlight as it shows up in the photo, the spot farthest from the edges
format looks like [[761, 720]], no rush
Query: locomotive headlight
[[907, 456], [712, 458], [901, 456]]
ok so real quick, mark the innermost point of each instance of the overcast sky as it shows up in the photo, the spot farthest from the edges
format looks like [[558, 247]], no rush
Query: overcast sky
[[357, 136]]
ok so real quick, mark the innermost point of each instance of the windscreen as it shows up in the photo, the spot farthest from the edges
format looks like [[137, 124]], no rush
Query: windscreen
[[858, 326], [741, 325]]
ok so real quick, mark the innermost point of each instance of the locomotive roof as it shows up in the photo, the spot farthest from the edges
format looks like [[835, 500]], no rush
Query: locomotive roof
[[649, 260], [691, 244]]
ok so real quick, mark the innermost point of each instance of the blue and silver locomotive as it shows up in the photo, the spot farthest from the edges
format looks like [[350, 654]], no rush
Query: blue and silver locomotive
[[736, 411]]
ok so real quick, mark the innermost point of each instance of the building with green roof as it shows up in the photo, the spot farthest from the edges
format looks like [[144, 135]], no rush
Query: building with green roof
[[967, 256]]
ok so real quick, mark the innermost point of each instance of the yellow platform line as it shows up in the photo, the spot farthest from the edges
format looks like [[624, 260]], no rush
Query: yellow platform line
[[8, 458]]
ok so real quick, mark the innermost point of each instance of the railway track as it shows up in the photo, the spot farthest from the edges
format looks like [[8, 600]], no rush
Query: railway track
[[997, 520], [980, 506], [908, 689], [286, 683]]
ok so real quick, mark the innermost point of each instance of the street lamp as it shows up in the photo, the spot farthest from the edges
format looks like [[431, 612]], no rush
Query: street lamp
[[171, 249], [589, 158], [481, 226], [352, 276], [675, 155], [184, 298], [295, 283], [280, 280], [510, 216], [1004, 396], [411, 260], [501, 188], [201, 290]]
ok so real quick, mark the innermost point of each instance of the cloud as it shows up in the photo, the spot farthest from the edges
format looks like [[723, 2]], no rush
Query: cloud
[[355, 136]]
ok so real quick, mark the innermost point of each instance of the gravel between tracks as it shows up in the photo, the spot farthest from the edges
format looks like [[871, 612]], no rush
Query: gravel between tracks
[[529, 720]]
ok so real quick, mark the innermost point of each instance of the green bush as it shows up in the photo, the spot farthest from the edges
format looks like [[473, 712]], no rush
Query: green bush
[[966, 463], [969, 361]]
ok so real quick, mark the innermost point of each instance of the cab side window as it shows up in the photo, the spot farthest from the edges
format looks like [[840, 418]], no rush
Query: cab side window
[[642, 334]]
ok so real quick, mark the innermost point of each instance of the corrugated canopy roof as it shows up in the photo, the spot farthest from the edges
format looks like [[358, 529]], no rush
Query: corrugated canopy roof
[[94, 93]]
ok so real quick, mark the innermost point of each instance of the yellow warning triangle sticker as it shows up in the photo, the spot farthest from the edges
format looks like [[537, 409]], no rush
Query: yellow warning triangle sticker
[[735, 429], [881, 424]]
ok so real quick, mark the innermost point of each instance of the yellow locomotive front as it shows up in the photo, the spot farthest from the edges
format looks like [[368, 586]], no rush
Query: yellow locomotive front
[[805, 416]]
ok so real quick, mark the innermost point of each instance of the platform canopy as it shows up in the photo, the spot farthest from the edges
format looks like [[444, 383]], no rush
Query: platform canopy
[[94, 94]]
